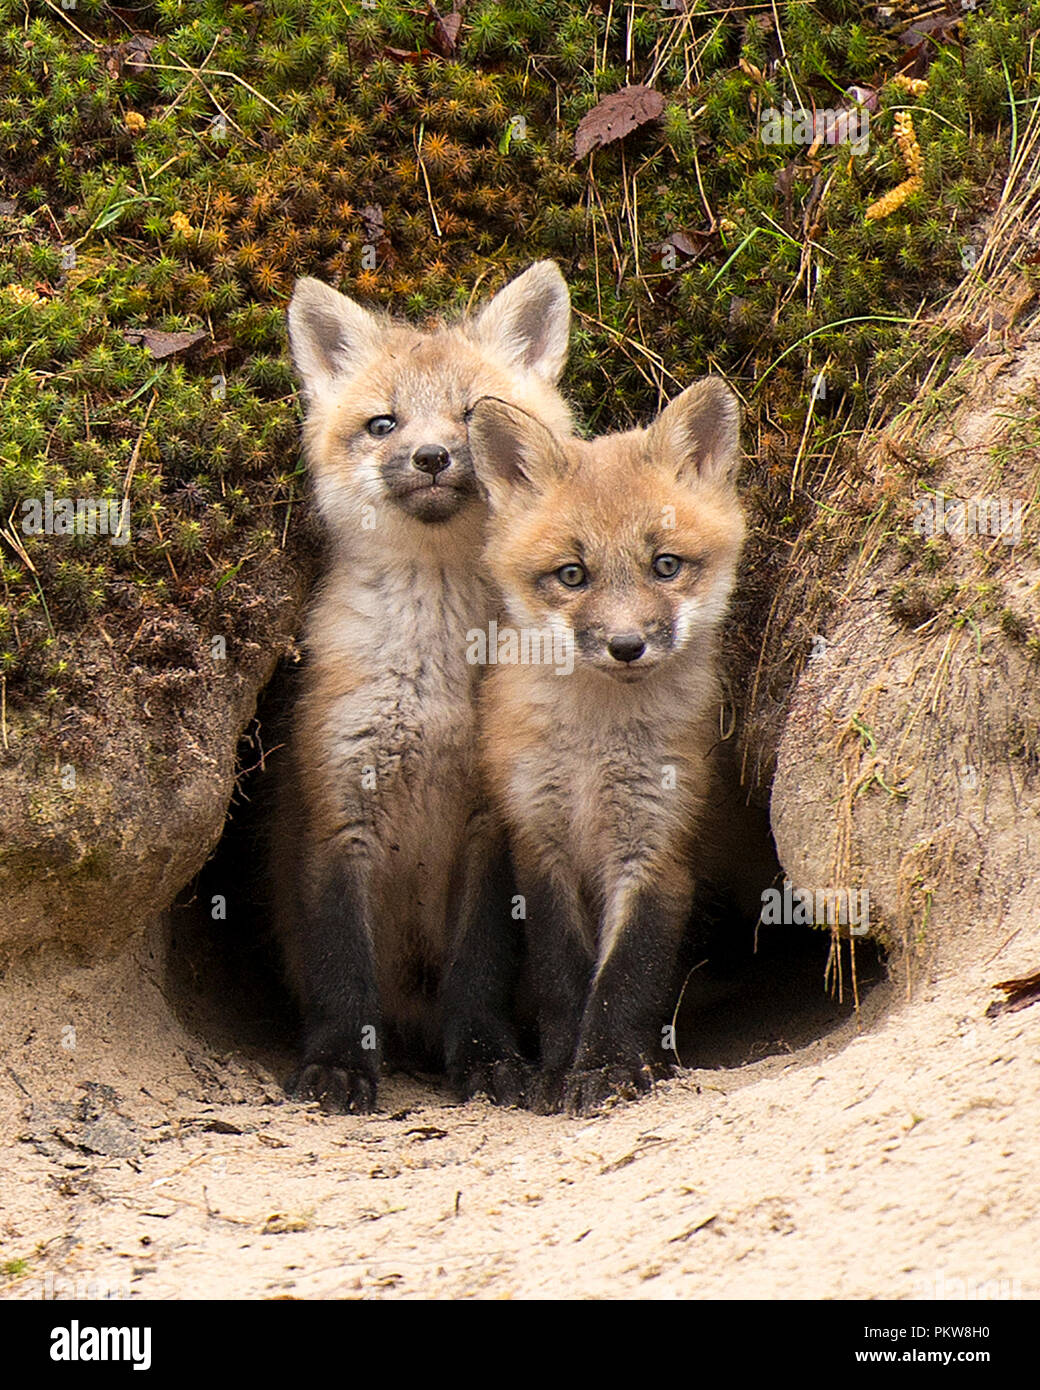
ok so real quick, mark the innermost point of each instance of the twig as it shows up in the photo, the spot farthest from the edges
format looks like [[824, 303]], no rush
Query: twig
[[131, 467], [426, 181], [211, 72], [678, 1003], [11, 537], [62, 15]]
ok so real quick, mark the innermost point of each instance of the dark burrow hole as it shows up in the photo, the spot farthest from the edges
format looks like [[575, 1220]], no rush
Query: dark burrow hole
[[748, 994]]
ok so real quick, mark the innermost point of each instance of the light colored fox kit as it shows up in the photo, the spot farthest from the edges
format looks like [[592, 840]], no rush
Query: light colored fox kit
[[388, 869], [628, 546]]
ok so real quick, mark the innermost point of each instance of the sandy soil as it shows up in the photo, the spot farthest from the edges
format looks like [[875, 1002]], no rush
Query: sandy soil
[[895, 1158]]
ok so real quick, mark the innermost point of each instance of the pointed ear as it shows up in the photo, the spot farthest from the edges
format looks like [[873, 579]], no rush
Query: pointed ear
[[512, 451], [328, 333], [528, 323], [699, 432]]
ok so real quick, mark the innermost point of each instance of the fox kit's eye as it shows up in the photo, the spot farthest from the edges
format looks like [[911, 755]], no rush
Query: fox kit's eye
[[381, 424], [667, 566], [574, 576]]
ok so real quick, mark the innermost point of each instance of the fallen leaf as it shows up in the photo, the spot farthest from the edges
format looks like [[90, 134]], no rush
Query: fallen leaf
[[162, 344], [217, 1126], [1019, 994], [372, 216], [133, 53], [137, 48], [690, 243], [936, 26], [616, 116], [923, 38], [410, 55], [446, 31]]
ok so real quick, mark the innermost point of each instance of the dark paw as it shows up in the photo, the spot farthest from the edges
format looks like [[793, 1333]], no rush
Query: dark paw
[[503, 1082], [585, 1092], [338, 1090], [545, 1092]]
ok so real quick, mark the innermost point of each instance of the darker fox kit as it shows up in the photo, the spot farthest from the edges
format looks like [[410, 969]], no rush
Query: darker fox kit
[[628, 547], [388, 869]]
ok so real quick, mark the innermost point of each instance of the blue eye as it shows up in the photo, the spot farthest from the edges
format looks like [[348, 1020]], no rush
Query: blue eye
[[380, 425], [667, 566], [574, 576]]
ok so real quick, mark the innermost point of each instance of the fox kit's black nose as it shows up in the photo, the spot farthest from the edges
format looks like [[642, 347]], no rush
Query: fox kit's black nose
[[626, 646], [431, 458]]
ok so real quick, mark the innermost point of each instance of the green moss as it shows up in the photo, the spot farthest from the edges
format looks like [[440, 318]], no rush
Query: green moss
[[912, 603], [1015, 626], [192, 201]]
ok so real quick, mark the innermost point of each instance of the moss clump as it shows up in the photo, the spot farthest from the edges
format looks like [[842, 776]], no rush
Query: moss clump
[[913, 603], [178, 172], [1014, 626]]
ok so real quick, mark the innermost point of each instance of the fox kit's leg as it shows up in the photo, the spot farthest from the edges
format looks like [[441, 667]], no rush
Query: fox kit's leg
[[629, 1007], [561, 964], [482, 1055], [335, 981], [324, 907]]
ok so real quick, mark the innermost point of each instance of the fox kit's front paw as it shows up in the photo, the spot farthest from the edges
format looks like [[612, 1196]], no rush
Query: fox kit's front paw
[[338, 1090], [587, 1091], [503, 1082], [545, 1091]]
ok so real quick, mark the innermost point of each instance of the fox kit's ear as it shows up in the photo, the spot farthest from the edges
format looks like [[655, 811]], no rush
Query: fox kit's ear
[[529, 322], [699, 432], [328, 333], [512, 451]]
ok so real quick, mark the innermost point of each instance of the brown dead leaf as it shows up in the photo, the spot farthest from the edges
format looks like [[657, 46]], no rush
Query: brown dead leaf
[[162, 344], [410, 55], [1019, 995], [616, 116], [692, 244], [446, 31], [137, 48], [923, 38], [132, 53], [936, 26], [372, 216]]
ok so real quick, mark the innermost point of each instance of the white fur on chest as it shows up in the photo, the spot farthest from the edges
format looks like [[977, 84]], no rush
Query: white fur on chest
[[617, 772], [400, 629]]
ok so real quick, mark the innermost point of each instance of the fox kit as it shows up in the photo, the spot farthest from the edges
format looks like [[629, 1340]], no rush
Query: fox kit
[[628, 547], [388, 866]]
